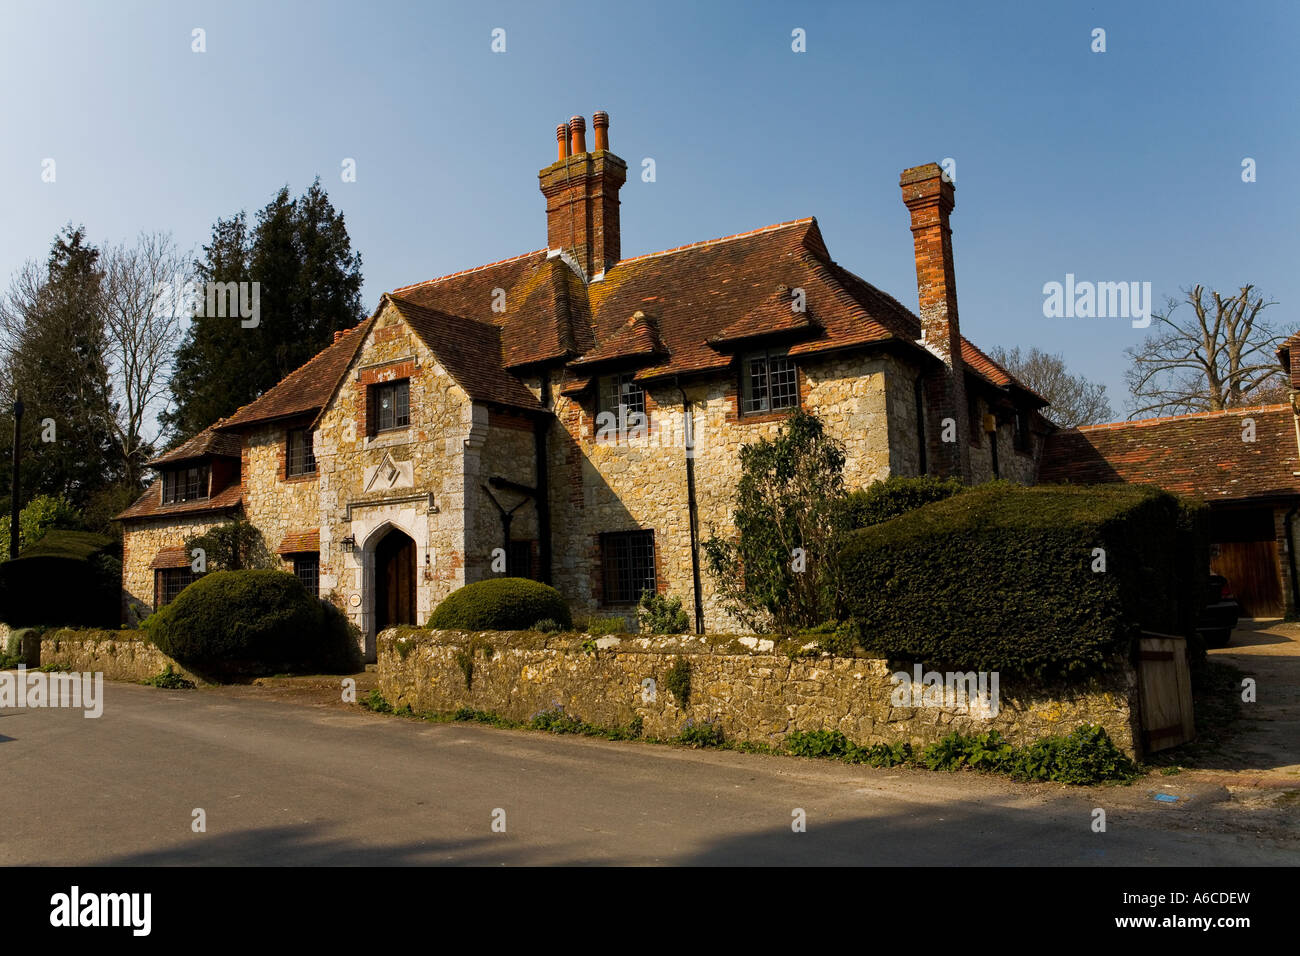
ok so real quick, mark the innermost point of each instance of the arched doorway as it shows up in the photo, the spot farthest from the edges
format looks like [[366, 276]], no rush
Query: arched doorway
[[394, 580]]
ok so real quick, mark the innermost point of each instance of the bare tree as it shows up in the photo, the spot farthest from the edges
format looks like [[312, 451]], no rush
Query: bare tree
[[1074, 400], [1220, 356], [145, 293], [20, 299]]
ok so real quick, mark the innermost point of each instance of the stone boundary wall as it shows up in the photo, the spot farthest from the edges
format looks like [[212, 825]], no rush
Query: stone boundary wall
[[118, 655], [738, 683]]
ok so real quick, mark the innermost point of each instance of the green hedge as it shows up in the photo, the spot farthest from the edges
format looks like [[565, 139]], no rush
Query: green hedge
[[237, 623], [1001, 578], [500, 604], [67, 578], [887, 499]]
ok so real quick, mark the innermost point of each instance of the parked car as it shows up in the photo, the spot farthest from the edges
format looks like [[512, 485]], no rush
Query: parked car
[[1220, 614]]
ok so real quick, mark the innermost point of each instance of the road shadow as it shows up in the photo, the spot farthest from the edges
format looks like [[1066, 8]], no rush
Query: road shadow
[[962, 836]]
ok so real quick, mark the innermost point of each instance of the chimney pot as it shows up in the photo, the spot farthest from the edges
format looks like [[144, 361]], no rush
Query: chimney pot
[[562, 141], [582, 198], [577, 135], [339, 334]]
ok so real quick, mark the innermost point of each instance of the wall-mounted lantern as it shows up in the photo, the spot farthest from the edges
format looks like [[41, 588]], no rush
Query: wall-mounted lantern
[[347, 544]]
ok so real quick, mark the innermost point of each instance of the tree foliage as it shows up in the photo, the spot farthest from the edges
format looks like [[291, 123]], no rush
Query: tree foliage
[[779, 570], [309, 281], [233, 546], [54, 343]]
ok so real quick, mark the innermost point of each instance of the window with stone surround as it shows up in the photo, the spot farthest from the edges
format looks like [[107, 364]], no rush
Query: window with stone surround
[[299, 458], [306, 568], [169, 582], [769, 382], [185, 484], [390, 405], [628, 565]]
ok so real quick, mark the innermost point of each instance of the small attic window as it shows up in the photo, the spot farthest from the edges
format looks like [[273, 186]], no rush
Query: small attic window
[[390, 405], [621, 395], [769, 383], [185, 484]]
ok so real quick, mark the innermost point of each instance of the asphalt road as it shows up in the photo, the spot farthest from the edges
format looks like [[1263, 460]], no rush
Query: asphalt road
[[286, 783]]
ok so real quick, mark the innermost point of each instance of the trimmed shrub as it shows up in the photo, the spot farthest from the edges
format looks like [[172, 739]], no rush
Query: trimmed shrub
[[500, 604], [1002, 577], [232, 623], [892, 497], [39, 517], [66, 578], [661, 615]]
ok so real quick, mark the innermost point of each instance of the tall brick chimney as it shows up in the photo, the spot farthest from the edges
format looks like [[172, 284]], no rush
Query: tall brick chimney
[[581, 190], [929, 198]]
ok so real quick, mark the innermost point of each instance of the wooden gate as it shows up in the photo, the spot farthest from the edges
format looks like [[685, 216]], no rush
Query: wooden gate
[[1251, 568], [1165, 689]]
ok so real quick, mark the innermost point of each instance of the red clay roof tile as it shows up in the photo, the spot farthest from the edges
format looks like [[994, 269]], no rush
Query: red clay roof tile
[[149, 504], [205, 443], [300, 542], [1201, 455], [305, 390]]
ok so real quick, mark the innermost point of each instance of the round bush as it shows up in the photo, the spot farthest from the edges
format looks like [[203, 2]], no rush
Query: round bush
[[244, 622], [500, 604]]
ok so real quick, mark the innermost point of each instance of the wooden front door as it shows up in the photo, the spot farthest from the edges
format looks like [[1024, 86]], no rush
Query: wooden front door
[[394, 581]]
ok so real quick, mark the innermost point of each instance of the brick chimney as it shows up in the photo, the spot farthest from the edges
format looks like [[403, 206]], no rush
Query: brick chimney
[[929, 198], [581, 190]]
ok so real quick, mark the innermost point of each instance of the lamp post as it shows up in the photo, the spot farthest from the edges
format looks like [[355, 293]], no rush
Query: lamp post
[[13, 503]]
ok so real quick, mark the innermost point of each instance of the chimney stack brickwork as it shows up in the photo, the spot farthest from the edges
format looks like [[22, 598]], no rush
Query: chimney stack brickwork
[[581, 190], [929, 198]]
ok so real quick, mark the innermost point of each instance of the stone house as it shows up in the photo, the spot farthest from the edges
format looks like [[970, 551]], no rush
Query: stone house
[[576, 417]]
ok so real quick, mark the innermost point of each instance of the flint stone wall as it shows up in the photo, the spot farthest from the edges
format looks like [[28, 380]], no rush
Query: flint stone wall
[[119, 655], [754, 696]]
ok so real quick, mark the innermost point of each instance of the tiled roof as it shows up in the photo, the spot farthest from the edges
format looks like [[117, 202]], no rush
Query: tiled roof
[[149, 504], [638, 338], [206, 442], [471, 353], [544, 315], [695, 292], [690, 293], [698, 301], [300, 542], [775, 315], [305, 390], [990, 370], [1202, 455], [171, 558]]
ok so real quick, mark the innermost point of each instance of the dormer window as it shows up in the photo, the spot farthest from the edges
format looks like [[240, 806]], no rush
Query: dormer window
[[390, 405], [621, 395], [185, 484], [769, 383]]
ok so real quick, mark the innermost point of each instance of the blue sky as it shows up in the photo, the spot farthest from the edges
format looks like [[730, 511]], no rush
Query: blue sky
[[1115, 166]]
